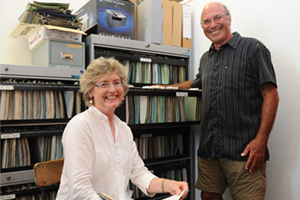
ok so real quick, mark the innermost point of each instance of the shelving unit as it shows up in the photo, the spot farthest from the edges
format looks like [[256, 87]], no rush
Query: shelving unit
[[18, 181], [152, 54], [25, 78]]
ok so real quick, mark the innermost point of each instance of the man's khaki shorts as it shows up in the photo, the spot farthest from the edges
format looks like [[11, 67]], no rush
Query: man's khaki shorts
[[215, 174]]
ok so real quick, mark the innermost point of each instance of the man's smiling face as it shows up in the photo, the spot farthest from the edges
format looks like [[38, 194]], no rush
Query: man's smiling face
[[218, 28]]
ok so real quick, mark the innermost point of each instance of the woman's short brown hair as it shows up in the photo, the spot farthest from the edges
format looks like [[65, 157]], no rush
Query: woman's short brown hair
[[98, 68]]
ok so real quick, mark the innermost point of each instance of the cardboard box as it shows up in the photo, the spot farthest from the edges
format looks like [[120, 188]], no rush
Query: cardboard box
[[140, 1], [167, 22], [186, 26], [177, 24], [149, 17], [113, 18], [38, 34]]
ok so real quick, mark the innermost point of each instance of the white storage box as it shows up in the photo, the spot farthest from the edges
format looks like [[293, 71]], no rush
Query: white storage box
[[38, 34]]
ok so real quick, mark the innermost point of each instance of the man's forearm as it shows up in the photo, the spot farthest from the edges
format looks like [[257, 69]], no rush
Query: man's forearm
[[183, 85], [269, 110]]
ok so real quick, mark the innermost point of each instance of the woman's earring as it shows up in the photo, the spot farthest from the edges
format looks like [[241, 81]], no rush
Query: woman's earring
[[91, 100]]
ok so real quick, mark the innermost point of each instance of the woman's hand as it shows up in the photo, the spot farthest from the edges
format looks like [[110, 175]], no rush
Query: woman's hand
[[176, 187]]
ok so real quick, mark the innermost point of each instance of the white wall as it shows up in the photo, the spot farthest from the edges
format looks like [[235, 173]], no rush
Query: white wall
[[15, 50], [276, 24]]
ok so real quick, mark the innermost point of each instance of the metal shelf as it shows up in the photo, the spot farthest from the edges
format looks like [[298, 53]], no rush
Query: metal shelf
[[141, 51], [133, 46], [16, 178], [34, 122], [125, 49], [35, 72], [38, 87], [164, 92]]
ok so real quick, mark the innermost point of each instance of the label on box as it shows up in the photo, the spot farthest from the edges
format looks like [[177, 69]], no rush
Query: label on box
[[182, 94], [6, 197], [10, 136], [36, 39]]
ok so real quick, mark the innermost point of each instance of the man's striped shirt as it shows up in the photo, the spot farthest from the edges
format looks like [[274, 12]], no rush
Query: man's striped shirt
[[231, 80]]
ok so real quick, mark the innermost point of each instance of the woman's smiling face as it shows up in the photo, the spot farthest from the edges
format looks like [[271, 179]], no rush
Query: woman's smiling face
[[108, 93]]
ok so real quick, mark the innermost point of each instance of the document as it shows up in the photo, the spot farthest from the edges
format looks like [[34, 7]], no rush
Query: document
[[175, 197], [105, 196]]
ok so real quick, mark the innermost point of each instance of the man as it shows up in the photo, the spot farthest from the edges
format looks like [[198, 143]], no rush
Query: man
[[239, 105]]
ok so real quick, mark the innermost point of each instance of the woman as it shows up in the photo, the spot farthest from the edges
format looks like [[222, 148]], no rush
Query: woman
[[100, 153]]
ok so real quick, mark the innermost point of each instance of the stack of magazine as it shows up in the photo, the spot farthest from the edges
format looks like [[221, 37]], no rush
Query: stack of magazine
[[50, 13]]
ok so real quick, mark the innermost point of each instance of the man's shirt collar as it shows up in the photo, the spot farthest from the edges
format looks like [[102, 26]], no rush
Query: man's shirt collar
[[233, 42]]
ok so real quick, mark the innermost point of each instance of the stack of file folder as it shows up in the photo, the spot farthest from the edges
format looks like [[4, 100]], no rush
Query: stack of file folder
[[50, 13]]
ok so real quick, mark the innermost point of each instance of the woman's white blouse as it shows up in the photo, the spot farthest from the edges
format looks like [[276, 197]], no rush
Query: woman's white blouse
[[94, 163]]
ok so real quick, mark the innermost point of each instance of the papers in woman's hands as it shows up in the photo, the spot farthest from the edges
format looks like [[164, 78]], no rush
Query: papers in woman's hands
[[105, 196], [175, 197]]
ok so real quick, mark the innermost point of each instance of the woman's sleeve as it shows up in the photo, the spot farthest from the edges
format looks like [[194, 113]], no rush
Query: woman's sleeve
[[79, 154]]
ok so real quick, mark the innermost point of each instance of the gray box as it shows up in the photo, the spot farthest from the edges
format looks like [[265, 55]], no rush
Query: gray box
[[149, 25], [60, 54]]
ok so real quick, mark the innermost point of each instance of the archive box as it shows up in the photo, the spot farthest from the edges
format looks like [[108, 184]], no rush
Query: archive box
[[60, 54]]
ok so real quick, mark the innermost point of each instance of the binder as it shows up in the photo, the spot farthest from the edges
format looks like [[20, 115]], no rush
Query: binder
[[186, 26], [167, 22], [149, 28], [177, 24]]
